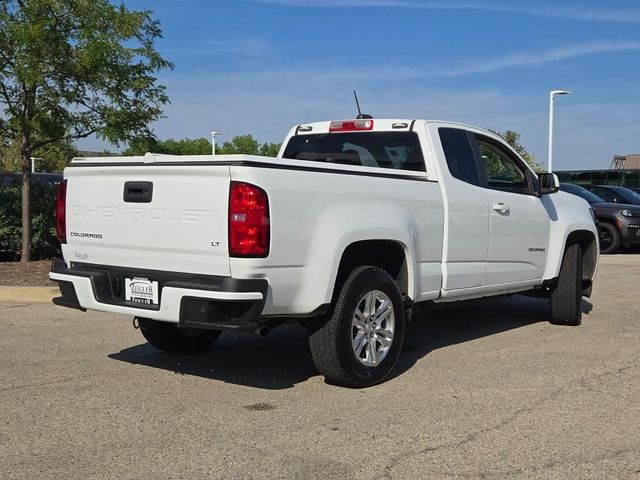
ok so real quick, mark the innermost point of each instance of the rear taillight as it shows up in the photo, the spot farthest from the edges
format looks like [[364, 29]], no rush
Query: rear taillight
[[351, 125], [248, 221], [61, 211]]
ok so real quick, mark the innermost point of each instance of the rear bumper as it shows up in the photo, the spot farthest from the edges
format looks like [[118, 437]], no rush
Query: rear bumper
[[200, 301]]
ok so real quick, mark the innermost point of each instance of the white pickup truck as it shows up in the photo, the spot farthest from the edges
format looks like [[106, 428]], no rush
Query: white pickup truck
[[355, 225]]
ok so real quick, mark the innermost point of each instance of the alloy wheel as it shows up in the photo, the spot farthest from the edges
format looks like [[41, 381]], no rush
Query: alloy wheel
[[372, 328]]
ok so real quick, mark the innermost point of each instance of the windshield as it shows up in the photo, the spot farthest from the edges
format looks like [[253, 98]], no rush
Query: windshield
[[581, 192], [396, 150]]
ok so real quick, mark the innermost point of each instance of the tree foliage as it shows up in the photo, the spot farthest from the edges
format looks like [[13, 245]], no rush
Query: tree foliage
[[74, 68], [186, 146], [513, 138], [248, 145], [45, 243], [50, 158], [244, 144]]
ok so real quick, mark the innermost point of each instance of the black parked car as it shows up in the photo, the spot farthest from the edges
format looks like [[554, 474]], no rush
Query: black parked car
[[9, 178], [614, 194], [619, 223]]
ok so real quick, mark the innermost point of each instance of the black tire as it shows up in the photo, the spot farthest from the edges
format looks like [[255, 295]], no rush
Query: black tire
[[172, 338], [331, 344], [609, 238], [566, 298]]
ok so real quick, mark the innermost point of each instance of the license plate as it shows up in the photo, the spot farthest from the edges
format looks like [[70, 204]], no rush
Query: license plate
[[141, 290]]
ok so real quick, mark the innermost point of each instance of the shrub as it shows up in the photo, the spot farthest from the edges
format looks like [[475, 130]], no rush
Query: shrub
[[44, 242]]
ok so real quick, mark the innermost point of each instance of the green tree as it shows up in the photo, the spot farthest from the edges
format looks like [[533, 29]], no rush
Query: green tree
[[49, 158], [141, 145], [186, 146], [240, 144], [10, 160], [248, 145], [244, 144], [513, 138], [74, 68], [55, 156], [269, 149]]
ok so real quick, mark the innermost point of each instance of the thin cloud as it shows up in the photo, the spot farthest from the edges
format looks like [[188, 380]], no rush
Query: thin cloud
[[524, 59], [266, 103], [237, 103], [367, 74], [247, 47], [555, 10]]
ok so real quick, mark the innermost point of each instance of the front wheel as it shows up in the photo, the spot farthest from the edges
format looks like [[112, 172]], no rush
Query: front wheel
[[172, 338], [361, 342], [609, 238], [566, 298]]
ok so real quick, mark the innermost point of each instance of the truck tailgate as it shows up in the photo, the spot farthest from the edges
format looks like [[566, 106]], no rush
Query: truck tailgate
[[158, 217]]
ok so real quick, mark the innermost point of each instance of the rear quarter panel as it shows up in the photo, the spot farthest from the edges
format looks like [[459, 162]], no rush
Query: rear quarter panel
[[315, 216]]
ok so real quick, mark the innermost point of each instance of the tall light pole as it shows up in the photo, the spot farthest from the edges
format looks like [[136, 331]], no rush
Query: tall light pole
[[213, 141], [552, 94]]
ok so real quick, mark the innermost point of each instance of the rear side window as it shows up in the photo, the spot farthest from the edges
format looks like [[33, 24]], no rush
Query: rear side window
[[459, 155], [605, 194], [395, 150]]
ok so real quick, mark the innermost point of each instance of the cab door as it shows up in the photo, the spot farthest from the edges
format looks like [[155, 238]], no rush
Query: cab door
[[518, 220], [466, 212]]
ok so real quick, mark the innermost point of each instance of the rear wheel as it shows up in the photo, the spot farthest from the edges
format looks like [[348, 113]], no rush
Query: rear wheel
[[360, 344], [609, 238], [172, 338], [566, 298]]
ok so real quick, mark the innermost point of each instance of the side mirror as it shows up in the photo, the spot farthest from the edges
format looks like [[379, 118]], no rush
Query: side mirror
[[549, 183]]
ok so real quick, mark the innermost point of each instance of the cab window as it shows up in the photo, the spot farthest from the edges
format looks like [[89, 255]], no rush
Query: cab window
[[458, 153], [392, 150], [502, 169]]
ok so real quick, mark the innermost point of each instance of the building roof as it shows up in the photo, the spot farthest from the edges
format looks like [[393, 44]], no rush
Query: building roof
[[629, 161]]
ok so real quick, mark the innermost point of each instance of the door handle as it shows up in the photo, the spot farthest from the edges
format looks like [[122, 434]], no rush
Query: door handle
[[501, 208], [138, 192]]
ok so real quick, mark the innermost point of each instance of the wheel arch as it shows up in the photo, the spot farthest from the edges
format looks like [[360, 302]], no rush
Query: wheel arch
[[391, 256], [608, 219], [589, 245]]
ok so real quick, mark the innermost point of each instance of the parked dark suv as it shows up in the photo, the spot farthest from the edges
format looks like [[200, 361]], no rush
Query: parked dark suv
[[614, 194], [619, 223], [9, 178]]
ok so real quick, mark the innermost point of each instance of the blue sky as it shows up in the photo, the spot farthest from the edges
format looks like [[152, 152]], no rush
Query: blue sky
[[261, 66]]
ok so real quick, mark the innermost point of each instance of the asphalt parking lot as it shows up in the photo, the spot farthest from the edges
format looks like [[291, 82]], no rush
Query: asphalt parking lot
[[489, 390]]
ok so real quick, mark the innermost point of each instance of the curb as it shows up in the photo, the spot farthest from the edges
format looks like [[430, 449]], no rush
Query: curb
[[28, 294]]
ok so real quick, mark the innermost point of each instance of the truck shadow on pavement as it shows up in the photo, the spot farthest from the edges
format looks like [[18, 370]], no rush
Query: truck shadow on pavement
[[282, 359], [454, 325]]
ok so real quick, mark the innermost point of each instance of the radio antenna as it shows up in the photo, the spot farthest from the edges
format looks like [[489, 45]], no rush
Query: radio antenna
[[360, 114], [355, 95]]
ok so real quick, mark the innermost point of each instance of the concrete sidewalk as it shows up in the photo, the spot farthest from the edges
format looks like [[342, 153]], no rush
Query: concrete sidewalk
[[9, 294]]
